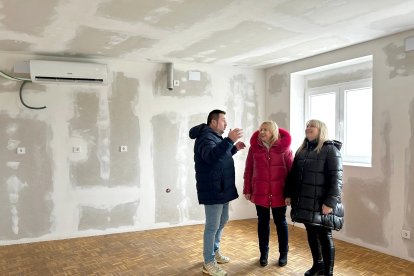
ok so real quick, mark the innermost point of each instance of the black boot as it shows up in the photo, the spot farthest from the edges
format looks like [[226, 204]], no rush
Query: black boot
[[263, 258], [328, 253], [316, 269], [283, 258]]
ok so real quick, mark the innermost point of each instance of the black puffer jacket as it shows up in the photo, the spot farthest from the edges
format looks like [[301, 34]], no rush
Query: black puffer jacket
[[214, 166], [316, 179]]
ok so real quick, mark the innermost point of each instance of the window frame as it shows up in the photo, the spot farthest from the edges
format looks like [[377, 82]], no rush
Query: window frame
[[339, 91]]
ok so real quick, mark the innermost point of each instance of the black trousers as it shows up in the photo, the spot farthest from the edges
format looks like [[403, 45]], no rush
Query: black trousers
[[322, 246], [263, 227]]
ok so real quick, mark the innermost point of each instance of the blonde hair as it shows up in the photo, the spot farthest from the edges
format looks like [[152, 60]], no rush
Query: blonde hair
[[322, 136], [274, 129]]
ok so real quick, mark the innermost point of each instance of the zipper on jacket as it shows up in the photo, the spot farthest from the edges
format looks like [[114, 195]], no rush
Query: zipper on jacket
[[269, 175], [301, 173]]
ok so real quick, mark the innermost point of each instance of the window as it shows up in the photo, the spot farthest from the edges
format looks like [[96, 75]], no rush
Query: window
[[347, 111]]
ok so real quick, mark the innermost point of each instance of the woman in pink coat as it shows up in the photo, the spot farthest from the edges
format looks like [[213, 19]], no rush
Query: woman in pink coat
[[268, 163]]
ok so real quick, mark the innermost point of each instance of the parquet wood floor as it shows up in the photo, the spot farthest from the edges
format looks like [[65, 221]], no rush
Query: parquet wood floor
[[178, 251]]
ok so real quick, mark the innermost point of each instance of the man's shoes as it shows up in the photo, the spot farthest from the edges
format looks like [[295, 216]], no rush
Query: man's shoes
[[283, 258], [263, 259], [213, 269], [316, 269], [221, 259]]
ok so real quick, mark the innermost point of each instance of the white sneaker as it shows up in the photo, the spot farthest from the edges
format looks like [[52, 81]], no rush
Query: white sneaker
[[221, 259], [213, 269]]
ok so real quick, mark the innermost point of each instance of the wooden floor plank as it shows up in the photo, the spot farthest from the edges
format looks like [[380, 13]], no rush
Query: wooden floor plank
[[178, 251]]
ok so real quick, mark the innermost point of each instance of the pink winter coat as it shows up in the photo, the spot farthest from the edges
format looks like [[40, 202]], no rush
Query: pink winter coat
[[266, 170]]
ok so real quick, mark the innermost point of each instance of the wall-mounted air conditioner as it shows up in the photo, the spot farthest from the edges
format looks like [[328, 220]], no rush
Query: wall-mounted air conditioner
[[44, 71]]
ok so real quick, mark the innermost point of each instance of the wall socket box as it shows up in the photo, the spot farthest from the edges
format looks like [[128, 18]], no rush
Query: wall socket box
[[406, 234], [21, 150], [76, 149], [123, 148]]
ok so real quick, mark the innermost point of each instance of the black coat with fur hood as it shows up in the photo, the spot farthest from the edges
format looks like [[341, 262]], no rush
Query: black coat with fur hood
[[316, 179]]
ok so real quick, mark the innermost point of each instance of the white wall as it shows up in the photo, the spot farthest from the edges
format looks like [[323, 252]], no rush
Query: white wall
[[52, 193], [378, 200]]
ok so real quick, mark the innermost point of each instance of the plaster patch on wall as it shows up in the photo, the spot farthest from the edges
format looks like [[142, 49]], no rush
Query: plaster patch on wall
[[373, 202], [165, 147], [277, 83], [104, 125], [173, 15], [401, 62], [14, 45], [280, 118], [27, 16], [409, 183], [242, 108], [14, 186], [195, 211], [174, 181], [95, 42], [186, 88], [84, 126], [11, 128], [124, 99], [12, 144], [25, 208], [13, 165], [239, 40], [8, 85], [104, 218]]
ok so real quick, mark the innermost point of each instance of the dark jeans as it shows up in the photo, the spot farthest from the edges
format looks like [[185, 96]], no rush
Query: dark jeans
[[263, 227], [322, 246]]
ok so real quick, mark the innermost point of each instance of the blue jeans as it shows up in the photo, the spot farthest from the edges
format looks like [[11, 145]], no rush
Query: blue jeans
[[217, 216]]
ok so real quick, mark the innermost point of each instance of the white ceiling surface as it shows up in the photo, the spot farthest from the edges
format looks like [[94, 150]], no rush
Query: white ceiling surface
[[251, 33]]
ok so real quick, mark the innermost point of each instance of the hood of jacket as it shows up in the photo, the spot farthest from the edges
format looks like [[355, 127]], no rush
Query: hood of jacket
[[197, 130], [336, 143], [283, 143]]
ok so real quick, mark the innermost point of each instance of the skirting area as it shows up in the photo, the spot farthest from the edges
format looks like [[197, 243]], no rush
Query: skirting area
[[178, 251]]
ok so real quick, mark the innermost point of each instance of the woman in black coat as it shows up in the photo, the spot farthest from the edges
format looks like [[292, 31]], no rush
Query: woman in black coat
[[313, 190]]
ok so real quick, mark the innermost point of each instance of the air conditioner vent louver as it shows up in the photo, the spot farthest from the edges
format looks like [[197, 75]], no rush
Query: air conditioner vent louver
[[85, 80], [43, 71]]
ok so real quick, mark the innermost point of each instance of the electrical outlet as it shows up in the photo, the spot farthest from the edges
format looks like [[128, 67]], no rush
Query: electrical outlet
[[76, 149], [21, 150], [123, 148], [176, 83], [406, 234]]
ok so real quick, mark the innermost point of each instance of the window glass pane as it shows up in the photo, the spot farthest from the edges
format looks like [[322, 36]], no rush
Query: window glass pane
[[358, 122], [322, 107]]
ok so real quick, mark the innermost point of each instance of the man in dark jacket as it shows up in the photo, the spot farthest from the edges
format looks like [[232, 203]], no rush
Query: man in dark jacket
[[215, 176]]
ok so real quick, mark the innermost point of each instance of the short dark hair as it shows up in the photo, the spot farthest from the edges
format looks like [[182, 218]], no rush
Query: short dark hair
[[214, 115]]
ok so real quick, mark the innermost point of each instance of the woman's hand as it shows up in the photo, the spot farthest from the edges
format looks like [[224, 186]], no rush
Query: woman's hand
[[248, 196], [326, 209], [287, 201]]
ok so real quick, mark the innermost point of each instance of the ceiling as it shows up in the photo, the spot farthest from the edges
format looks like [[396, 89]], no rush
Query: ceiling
[[247, 33]]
